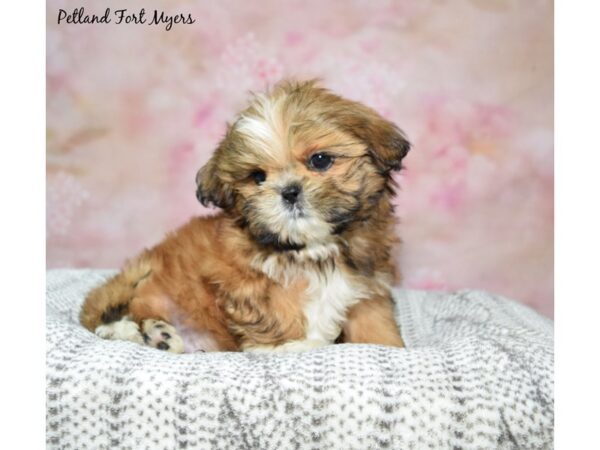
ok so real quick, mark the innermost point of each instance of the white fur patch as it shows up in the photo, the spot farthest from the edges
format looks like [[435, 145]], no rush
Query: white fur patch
[[291, 346], [321, 252], [265, 129], [329, 296], [124, 329]]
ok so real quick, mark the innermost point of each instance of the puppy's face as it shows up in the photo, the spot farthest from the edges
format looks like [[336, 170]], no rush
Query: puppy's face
[[300, 165]]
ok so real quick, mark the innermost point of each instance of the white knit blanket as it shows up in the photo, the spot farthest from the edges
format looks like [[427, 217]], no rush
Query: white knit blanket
[[477, 373]]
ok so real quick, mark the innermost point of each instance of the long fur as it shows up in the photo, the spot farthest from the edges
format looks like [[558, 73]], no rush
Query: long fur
[[263, 274]]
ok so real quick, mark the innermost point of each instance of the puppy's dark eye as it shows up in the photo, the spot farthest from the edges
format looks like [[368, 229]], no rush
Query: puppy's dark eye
[[259, 176], [320, 161]]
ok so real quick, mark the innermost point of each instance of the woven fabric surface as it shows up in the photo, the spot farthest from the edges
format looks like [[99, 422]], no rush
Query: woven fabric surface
[[477, 373]]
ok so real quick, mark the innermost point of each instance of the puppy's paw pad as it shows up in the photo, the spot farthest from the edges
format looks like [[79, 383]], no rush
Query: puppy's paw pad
[[161, 335], [124, 329]]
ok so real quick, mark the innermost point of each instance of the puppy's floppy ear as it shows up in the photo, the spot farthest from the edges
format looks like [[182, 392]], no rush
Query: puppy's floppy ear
[[210, 189], [387, 143]]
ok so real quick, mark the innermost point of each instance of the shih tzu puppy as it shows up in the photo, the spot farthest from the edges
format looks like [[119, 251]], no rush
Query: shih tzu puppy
[[299, 257]]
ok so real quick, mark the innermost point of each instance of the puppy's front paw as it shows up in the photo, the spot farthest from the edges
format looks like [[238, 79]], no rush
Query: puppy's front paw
[[161, 335], [302, 345]]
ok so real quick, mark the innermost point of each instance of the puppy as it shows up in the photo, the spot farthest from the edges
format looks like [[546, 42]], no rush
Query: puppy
[[298, 258]]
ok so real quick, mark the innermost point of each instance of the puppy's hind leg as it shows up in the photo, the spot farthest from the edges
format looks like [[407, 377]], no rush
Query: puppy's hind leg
[[106, 308], [129, 307], [154, 333]]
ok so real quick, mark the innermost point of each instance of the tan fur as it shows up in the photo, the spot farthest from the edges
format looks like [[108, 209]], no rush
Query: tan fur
[[244, 274], [361, 317], [116, 292]]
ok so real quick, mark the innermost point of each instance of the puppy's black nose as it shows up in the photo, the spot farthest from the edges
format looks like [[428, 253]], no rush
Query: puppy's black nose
[[290, 193]]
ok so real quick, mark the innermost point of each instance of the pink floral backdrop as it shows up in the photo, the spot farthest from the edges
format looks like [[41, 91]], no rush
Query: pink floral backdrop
[[134, 110]]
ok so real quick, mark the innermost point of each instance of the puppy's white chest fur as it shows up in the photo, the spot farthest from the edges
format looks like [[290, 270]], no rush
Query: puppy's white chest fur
[[329, 294], [328, 298]]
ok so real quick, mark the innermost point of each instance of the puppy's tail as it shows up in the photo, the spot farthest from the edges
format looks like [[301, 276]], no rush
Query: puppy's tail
[[110, 301]]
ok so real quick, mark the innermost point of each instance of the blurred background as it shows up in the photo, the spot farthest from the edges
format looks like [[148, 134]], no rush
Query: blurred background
[[133, 111]]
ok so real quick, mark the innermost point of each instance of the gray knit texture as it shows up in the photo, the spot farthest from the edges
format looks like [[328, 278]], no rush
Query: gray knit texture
[[477, 373]]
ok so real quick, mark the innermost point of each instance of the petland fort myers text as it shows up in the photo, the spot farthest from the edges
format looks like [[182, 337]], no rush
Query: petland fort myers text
[[124, 16]]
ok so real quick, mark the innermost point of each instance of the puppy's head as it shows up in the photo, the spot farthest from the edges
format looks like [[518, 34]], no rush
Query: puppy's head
[[300, 165]]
